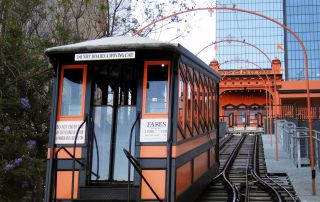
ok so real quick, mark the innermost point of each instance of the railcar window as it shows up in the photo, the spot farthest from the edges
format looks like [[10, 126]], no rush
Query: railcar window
[[72, 92], [182, 98], [196, 103], [182, 103], [126, 116], [190, 101], [114, 112], [102, 129], [157, 89]]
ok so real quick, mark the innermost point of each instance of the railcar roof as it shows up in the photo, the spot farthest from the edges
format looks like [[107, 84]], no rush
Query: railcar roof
[[125, 43], [112, 43]]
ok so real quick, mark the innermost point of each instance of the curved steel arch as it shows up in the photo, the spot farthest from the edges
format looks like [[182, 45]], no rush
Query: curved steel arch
[[237, 41]]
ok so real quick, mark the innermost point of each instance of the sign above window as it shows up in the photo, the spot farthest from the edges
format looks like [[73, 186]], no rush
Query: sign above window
[[105, 56]]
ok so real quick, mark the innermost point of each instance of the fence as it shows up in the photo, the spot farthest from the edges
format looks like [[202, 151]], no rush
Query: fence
[[295, 141], [298, 112]]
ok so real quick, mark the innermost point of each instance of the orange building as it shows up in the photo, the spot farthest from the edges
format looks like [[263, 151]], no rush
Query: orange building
[[250, 97], [292, 98]]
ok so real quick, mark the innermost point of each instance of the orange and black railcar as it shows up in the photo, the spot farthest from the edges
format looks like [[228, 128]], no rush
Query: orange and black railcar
[[132, 119]]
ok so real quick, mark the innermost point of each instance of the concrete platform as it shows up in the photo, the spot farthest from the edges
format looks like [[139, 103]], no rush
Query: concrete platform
[[300, 177]]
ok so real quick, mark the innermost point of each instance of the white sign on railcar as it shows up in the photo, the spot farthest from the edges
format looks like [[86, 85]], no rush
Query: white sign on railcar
[[105, 56], [154, 130], [66, 132]]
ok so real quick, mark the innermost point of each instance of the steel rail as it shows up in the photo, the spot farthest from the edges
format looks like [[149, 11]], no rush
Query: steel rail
[[231, 189], [247, 196], [255, 172], [282, 187], [224, 141]]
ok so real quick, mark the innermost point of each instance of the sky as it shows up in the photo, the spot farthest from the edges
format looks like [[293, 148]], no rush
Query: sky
[[195, 31]]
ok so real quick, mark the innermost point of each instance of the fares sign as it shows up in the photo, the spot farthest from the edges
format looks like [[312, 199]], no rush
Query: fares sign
[[105, 56], [154, 130], [66, 132]]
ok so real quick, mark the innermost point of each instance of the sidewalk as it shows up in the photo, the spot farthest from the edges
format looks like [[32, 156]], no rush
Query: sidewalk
[[299, 177]]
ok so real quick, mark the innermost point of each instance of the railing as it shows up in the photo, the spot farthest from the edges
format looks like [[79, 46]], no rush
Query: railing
[[74, 160], [130, 145], [298, 112], [295, 141], [138, 168]]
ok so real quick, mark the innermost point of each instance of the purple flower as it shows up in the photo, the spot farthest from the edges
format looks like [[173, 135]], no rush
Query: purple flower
[[25, 103], [31, 144], [17, 161], [7, 129], [8, 166]]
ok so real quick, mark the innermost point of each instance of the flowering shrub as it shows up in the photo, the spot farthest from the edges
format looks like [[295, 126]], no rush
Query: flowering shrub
[[7, 129], [31, 144], [25, 103], [13, 164]]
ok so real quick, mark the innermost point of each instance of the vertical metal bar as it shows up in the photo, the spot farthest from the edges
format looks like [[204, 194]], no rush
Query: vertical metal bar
[[50, 169], [74, 156], [285, 39], [275, 111], [173, 98], [316, 149], [298, 149]]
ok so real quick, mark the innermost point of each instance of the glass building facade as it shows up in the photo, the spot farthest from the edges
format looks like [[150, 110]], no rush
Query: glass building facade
[[303, 17], [254, 30]]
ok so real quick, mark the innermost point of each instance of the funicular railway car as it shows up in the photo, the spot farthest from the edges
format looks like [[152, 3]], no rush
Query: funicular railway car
[[112, 90]]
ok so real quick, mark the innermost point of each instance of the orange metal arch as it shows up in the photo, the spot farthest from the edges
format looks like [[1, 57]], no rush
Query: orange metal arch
[[237, 41]]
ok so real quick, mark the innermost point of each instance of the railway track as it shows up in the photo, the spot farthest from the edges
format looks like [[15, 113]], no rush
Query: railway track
[[243, 174]]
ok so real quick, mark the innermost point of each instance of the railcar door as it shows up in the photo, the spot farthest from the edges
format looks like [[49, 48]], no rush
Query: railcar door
[[114, 112]]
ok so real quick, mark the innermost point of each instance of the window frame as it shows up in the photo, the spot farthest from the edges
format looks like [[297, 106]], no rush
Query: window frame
[[83, 93], [144, 89]]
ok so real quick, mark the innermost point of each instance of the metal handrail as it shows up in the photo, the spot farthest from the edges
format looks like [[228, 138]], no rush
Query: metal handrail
[[98, 158], [137, 167], [74, 155], [296, 142], [130, 140]]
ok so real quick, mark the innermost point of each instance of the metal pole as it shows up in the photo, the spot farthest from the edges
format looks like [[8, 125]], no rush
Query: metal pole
[[275, 112]]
